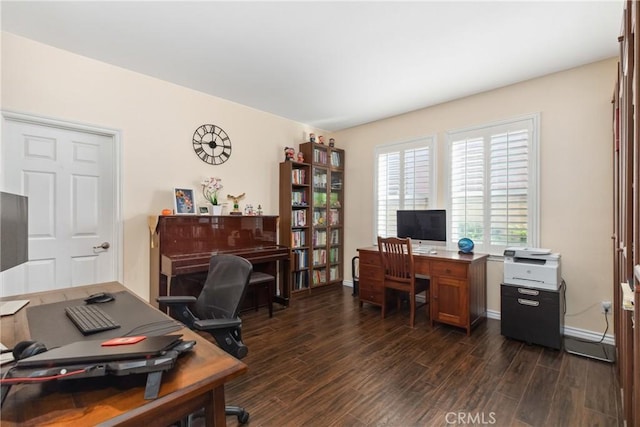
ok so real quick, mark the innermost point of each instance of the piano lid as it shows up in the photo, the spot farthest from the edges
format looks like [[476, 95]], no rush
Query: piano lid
[[188, 235]]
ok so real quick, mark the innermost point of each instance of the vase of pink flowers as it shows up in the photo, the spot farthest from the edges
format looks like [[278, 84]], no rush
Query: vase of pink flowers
[[210, 189]]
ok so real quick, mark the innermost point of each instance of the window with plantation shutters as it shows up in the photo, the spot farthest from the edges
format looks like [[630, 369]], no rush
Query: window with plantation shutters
[[493, 196], [404, 180]]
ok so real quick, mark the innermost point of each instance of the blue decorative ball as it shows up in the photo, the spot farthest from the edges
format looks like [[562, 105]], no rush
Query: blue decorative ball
[[465, 245]]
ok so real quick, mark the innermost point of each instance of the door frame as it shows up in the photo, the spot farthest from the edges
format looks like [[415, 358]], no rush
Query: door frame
[[115, 135]]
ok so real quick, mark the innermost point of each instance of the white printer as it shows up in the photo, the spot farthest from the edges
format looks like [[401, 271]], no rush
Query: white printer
[[532, 267]]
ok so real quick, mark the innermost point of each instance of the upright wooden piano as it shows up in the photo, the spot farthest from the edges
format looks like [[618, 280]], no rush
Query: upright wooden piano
[[181, 246]]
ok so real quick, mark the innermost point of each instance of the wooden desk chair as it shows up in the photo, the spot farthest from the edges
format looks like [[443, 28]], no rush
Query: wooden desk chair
[[399, 274]]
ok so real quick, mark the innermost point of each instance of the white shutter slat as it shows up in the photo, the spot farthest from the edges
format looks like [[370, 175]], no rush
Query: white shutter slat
[[403, 181], [490, 183], [509, 183]]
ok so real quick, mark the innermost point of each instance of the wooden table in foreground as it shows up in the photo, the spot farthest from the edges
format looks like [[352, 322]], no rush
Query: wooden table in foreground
[[197, 380]]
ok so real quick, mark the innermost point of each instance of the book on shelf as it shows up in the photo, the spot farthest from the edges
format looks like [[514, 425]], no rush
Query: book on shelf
[[334, 273], [298, 238], [298, 176], [334, 255], [319, 156], [319, 237], [319, 275], [320, 180], [334, 217], [298, 198], [335, 237], [319, 217], [336, 161], [299, 218], [300, 257], [319, 199], [319, 256], [334, 200], [336, 181], [300, 280]]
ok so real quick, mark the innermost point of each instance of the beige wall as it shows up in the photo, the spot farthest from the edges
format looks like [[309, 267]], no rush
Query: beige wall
[[157, 119], [575, 183]]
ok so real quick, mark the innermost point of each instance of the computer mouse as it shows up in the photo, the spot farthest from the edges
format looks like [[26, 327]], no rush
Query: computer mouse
[[99, 298]]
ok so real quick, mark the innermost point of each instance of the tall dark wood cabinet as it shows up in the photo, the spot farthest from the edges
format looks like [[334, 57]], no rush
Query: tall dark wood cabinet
[[327, 210], [626, 214]]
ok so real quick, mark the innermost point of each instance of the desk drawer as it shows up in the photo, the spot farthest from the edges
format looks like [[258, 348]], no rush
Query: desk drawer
[[370, 294], [371, 273], [532, 315], [450, 269], [422, 265], [369, 258]]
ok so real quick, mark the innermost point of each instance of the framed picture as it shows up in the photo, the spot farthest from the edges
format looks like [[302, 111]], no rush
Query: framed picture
[[184, 201], [204, 210]]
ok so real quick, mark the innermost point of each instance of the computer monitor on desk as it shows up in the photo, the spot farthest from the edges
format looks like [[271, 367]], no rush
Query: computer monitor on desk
[[14, 227], [426, 228]]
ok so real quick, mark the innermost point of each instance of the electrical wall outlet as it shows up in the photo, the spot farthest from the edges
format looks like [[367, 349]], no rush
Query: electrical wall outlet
[[605, 306]]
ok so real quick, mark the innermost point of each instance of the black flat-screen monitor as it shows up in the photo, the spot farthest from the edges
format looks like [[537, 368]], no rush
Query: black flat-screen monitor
[[426, 226], [14, 230]]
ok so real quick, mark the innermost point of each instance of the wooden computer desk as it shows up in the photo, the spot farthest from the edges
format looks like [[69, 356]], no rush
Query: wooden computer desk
[[196, 381], [458, 289]]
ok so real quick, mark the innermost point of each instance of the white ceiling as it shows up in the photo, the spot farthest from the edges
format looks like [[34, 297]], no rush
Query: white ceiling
[[331, 65]]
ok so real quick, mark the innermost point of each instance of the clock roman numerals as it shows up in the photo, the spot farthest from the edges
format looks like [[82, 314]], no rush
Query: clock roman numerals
[[211, 144], [206, 157]]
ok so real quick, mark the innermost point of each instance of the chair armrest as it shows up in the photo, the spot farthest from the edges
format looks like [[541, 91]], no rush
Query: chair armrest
[[179, 307], [172, 300], [213, 324]]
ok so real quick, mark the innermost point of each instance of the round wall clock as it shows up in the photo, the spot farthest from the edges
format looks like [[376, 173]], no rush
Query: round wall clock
[[212, 144]]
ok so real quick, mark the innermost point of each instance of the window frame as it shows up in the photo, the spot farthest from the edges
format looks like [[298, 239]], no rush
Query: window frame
[[429, 141], [533, 204]]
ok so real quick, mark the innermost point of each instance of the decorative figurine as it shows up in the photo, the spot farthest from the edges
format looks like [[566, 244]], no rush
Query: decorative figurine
[[289, 153], [332, 142], [312, 137], [300, 157], [248, 209], [236, 206], [259, 210], [321, 139]]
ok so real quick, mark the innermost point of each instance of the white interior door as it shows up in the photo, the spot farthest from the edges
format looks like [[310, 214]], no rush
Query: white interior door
[[69, 177]]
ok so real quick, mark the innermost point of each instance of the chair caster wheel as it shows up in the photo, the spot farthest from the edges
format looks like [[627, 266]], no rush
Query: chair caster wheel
[[243, 417]]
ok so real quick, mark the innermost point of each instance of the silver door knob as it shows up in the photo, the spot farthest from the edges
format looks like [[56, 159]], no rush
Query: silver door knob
[[104, 245]]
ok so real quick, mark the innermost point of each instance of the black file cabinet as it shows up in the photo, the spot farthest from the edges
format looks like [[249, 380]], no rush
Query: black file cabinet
[[535, 316]]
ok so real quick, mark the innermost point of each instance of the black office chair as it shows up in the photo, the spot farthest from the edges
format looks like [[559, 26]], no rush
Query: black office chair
[[216, 309]]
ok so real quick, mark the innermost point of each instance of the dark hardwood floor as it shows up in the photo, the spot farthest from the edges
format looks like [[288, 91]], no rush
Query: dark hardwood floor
[[325, 361]]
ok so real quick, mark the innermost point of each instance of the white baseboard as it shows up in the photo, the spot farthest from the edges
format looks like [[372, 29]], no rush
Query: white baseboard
[[589, 335], [568, 330]]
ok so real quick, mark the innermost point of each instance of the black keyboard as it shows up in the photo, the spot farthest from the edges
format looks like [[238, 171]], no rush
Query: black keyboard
[[90, 319]]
